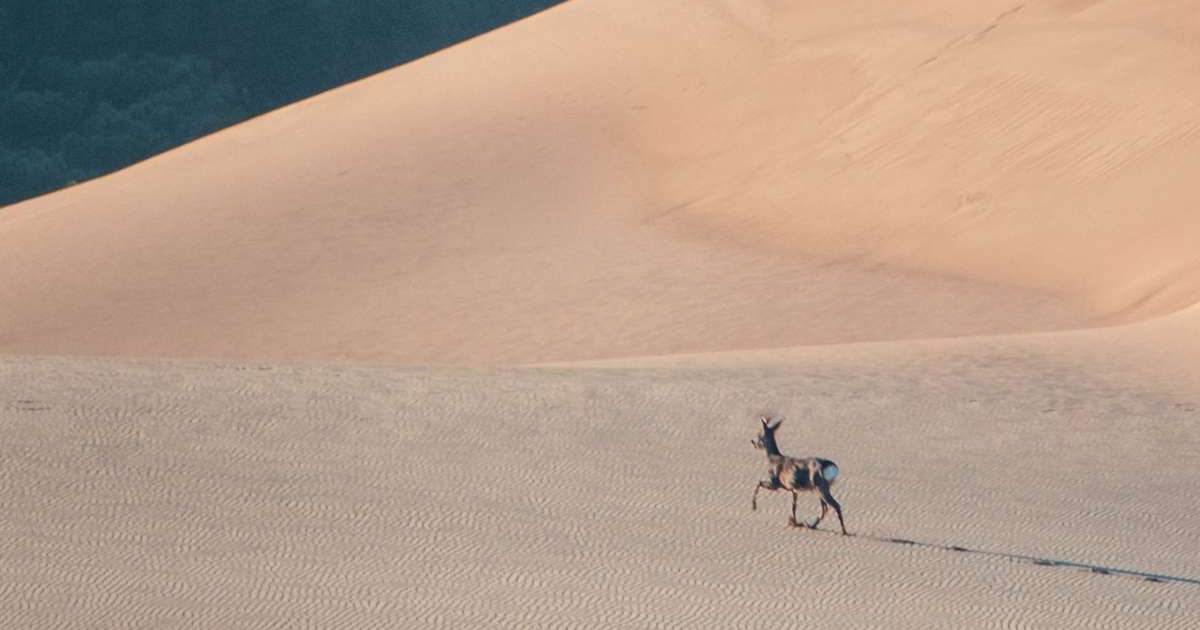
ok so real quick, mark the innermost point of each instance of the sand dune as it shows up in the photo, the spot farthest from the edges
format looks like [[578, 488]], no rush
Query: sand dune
[[598, 182], [954, 243]]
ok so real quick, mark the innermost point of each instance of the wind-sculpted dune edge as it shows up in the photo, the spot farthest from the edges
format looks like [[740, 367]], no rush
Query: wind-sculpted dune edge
[[614, 178], [953, 243], [250, 495]]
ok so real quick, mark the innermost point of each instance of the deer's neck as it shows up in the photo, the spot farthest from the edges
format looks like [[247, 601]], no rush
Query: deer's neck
[[770, 445]]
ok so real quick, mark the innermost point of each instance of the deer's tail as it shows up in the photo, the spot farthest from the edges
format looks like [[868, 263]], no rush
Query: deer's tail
[[829, 471]]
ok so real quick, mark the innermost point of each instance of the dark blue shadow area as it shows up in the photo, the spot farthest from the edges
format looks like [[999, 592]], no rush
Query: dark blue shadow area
[[90, 86]]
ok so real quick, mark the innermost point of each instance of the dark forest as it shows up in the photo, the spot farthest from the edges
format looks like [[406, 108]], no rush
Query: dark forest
[[90, 86]]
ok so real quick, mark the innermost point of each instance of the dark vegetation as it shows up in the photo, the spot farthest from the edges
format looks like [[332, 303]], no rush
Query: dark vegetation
[[90, 86]]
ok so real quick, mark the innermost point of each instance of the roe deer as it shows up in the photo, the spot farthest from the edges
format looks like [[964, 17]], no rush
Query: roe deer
[[795, 474]]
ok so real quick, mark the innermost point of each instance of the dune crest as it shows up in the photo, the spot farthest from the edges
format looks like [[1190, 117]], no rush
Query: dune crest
[[902, 225], [614, 177]]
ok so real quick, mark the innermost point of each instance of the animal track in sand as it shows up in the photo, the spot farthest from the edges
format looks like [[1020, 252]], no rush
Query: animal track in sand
[[29, 405], [1017, 557]]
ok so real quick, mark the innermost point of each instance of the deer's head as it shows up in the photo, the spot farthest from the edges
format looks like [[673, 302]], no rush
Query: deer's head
[[767, 436]]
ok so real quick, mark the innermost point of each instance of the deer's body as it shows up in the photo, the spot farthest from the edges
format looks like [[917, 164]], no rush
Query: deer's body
[[796, 475]]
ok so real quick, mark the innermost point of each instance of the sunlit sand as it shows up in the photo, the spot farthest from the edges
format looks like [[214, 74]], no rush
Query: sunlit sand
[[482, 341]]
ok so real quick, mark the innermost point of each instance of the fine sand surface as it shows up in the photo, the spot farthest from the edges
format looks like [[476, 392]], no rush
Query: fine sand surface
[[161, 494], [481, 341]]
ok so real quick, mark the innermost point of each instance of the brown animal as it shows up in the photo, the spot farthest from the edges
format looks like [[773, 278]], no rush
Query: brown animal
[[796, 475]]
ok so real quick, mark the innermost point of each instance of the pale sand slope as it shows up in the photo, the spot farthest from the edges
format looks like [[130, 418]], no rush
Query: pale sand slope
[[618, 177], [164, 494]]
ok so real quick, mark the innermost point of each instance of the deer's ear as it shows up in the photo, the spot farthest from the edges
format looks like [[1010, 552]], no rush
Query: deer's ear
[[774, 423]]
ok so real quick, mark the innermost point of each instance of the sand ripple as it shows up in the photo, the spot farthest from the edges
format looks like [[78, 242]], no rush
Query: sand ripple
[[196, 495]]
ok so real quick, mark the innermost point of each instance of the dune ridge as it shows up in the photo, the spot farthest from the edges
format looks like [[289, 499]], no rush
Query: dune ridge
[[985, 169], [481, 341]]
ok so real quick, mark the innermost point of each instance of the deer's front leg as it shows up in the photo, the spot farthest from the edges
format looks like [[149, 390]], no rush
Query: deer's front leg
[[770, 483]]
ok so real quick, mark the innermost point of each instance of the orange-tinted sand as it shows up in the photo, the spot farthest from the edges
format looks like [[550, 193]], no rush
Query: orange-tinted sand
[[955, 243]]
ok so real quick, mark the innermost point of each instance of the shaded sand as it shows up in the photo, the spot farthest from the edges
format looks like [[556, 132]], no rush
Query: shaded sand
[[159, 493], [643, 223], [616, 177]]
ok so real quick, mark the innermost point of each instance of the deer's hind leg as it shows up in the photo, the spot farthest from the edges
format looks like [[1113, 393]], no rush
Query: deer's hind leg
[[824, 510], [827, 500]]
